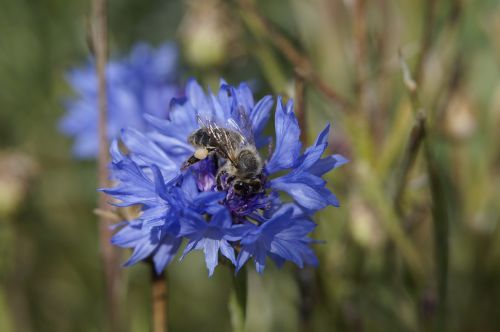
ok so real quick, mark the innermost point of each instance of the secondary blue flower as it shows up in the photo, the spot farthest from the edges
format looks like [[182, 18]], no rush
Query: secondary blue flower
[[143, 82], [203, 204]]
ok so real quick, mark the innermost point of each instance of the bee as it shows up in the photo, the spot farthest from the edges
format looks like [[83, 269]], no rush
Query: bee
[[242, 169]]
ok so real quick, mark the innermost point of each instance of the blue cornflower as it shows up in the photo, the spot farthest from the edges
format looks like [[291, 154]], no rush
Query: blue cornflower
[[143, 82], [199, 204]]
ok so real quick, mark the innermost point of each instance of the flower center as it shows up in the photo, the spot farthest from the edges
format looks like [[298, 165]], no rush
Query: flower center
[[244, 196]]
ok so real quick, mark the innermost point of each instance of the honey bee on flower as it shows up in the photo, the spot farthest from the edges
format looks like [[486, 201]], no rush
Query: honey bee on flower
[[201, 175]]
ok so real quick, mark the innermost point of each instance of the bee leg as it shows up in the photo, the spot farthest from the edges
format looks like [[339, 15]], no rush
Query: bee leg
[[198, 155], [191, 161], [218, 178], [222, 178], [216, 160]]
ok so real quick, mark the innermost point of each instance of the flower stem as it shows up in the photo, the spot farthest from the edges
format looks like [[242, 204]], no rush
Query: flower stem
[[238, 301], [159, 300], [305, 277], [108, 254], [300, 106]]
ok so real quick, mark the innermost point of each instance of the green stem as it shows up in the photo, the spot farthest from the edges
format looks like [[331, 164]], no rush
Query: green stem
[[442, 215], [238, 301], [159, 292]]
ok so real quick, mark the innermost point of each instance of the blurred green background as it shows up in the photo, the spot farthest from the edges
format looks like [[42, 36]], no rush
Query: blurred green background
[[422, 258]]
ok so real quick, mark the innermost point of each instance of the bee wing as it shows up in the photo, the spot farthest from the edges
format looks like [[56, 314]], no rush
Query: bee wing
[[241, 123], [226, 143], [203, 120]]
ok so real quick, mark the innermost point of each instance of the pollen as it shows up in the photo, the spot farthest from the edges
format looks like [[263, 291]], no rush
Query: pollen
[[201, 154]]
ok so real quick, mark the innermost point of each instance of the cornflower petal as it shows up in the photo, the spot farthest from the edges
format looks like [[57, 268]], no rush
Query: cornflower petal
[[281, 237], [260, 115], [147, 151], [306, 189], [287, 148], [166, 252], [209, 237]]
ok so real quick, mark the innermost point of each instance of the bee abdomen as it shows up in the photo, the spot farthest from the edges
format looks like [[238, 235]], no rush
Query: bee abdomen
[[201, 138], [249, 164]]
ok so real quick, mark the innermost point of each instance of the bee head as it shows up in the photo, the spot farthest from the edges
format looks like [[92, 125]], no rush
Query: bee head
[[247, 187]]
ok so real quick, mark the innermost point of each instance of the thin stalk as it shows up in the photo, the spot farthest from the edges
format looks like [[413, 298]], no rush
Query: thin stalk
[[436, 171], [301, 62], [300, 107], [238, 301], [417, 135], [159, 292], [428, 23], [441, 215], [444, 194], [308, 290], [305, 277], [360, 47], [108, 255], [440, 197]]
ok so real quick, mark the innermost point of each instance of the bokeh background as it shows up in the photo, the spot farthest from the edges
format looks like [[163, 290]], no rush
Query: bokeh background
[[420, 257]]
